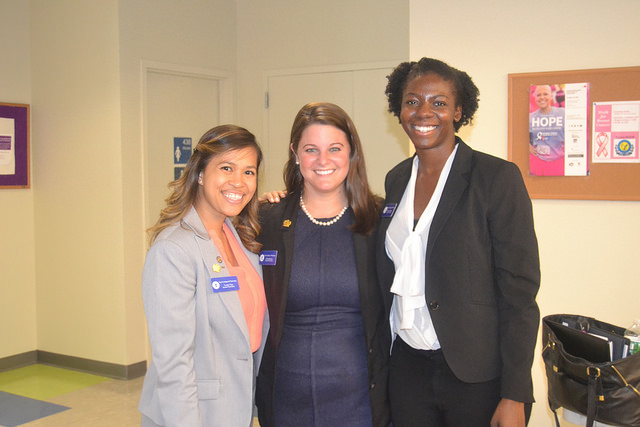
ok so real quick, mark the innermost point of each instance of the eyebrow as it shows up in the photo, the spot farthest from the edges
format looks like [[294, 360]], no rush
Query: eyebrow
[[229, 162], [430, 96], [310, 144]]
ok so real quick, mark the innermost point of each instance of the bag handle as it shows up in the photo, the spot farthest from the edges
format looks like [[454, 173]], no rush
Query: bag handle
[[555, 414], [594, 388]]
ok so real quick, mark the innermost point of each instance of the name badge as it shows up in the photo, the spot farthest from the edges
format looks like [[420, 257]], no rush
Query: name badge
[[389, 209], [268, 257], [225, 284]]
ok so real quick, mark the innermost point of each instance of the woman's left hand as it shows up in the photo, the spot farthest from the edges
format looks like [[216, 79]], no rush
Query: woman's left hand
[[509, 413], [273, 196]]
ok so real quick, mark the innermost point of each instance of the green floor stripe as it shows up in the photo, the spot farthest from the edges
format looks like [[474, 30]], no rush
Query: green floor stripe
[[43, 382]]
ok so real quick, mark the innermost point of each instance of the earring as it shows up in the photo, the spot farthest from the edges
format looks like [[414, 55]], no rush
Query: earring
[[297, 163], [200, 179]]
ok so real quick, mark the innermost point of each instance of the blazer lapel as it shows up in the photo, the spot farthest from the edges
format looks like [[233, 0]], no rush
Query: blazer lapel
[[395, 187], [287, 227], [456, 184], [212, 258]]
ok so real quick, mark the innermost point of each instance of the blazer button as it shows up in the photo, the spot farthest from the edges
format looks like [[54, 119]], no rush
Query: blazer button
[[372, 386], [370, 350], [434, 305]]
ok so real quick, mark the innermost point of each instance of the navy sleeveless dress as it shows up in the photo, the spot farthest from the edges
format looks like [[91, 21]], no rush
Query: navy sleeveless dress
[[321, 371]]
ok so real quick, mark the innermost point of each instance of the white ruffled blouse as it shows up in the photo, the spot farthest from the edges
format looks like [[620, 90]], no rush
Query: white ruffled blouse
[[407, 246]]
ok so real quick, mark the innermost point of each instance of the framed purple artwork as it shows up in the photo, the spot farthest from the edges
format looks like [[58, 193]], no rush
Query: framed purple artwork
[[14, 146]]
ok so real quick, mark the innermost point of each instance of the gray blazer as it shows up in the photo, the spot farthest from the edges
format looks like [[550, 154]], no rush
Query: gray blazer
[[202, 371]]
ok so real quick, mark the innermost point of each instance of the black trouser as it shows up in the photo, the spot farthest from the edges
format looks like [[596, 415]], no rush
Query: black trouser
[[424, 392]]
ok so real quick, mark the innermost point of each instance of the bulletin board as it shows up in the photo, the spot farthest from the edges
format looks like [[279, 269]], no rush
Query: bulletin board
[[605, 181]]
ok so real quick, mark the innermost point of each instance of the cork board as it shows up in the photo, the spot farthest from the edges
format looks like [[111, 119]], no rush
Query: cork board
[[605, 181]]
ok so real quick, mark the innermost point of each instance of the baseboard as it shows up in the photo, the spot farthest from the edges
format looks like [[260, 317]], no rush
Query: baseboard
[[105, 369], [18, 360]]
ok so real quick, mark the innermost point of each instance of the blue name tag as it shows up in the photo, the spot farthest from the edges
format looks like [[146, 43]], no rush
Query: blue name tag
[[268, 257], [389, 209], [225, 284]]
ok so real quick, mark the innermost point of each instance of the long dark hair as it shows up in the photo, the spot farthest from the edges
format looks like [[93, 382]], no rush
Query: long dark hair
[[363, 202], [184, 190]]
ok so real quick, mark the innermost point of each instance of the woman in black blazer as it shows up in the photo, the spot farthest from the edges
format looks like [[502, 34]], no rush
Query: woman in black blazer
[[457, 260], [325, 360]]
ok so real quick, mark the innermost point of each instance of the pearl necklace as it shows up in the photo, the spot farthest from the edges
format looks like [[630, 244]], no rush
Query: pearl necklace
[[323, 223]]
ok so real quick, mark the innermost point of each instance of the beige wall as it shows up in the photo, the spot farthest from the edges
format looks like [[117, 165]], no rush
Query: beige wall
[[281, 34], [588, 249], [191, 34], [73, 245], [77, 179], [17, 244], [74, 288]]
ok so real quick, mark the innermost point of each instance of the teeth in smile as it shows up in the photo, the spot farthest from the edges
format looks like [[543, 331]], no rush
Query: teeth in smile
[[424, 128], [324, 172], [233, 196]]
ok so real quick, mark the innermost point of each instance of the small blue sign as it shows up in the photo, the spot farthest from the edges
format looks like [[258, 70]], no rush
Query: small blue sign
[[177, 172], [181, 150]]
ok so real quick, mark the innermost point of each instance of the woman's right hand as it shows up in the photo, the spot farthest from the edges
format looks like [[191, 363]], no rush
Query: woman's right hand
[[273, 196]]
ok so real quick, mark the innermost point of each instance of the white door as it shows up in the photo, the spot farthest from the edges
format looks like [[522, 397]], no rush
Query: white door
[[177, 106], [359, 90]]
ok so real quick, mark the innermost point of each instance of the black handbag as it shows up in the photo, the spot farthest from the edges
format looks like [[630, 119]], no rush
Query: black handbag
[[581, 376]]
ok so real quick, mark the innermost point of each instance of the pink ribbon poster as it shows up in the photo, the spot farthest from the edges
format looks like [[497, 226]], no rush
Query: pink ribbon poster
[[616, 127]]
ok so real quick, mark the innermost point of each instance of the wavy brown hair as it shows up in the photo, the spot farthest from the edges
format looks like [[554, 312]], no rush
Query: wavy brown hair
[[215, 141], [364, 203]]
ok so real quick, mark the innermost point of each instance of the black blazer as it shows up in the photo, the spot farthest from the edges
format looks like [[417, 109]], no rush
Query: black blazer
[[482, 270], [278, 223]]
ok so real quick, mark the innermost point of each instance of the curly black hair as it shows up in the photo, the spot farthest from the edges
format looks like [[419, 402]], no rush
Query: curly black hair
[[465, 90]]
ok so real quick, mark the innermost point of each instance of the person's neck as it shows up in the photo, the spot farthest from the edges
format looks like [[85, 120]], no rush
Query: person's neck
[[324, 205], [213, 224], [431, 161]]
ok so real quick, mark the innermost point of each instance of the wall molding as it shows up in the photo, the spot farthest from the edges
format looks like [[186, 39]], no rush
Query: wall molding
[[96, 367], [18, 360]]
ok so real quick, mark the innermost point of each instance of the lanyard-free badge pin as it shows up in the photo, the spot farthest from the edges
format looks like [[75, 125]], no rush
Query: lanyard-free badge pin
[[268, 257], [224, 284], [388, 210]]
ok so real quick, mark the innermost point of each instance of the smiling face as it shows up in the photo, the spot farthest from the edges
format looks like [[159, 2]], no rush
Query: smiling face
[[323, 153], [543, 97], [428, 112], [227, 184]]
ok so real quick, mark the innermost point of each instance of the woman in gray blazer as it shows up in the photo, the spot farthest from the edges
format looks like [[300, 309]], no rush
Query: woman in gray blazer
[[202, 289]]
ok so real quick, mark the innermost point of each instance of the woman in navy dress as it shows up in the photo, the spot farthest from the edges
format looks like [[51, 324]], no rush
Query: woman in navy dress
[[325, 360]]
